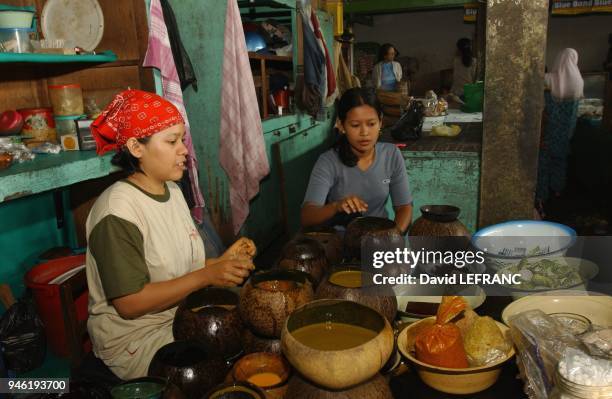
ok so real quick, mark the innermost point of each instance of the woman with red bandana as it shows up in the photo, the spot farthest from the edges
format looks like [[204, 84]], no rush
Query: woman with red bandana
[[144, 253]]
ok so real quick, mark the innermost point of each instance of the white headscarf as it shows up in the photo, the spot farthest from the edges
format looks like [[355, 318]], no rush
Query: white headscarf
[[564, 79]]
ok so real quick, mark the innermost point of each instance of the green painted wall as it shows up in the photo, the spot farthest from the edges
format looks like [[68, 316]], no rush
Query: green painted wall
[[390, 6], [28, 228], [445, 178]]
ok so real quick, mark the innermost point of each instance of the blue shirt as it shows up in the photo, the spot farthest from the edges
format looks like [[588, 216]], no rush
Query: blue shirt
[[387, 78], [331, 180]]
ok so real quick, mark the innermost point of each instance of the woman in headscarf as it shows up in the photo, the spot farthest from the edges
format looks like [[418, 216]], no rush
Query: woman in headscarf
[[144, 253], [564, 88]]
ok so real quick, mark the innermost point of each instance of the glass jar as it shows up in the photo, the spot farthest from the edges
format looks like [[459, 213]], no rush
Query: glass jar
[[566, 389], [66, 124], [67, 100]]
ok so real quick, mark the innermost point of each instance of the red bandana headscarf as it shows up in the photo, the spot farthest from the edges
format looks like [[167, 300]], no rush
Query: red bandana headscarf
[[133, 113]]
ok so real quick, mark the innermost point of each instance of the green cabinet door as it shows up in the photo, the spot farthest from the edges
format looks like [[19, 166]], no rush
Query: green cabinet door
[[296, 157]]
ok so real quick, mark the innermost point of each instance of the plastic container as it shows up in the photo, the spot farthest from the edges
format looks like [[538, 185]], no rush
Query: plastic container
[[474, 97], [66, 124], [16, 40], [16, 19], [38, 125], [48, 300], [67, 100]]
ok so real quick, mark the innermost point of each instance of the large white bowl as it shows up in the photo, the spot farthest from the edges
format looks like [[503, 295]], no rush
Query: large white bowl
[[16, 19], [594, 306], [506, 244], [585, 268]]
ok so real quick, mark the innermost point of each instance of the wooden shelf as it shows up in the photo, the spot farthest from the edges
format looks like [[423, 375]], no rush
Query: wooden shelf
[[107, 56], [50, 171], [269, 57]]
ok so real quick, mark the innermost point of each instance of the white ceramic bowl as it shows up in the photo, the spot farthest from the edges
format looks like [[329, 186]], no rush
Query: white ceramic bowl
[[16, 19], [506, 244], [460, 381], [594, 306], [585, 268]]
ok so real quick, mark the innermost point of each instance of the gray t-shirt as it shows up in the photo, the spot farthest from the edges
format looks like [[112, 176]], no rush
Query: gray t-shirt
[[331, 180]]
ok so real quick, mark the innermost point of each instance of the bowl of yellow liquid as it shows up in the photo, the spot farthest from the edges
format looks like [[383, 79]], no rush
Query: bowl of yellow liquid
[[268, 371], [337, 343]]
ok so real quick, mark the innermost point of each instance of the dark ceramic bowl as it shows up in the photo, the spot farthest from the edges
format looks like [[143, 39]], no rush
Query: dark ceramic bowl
[[168, 389], [329, 239], [440, 213], [254, 343], [210, 316], [379, 298], [251, 368], [189, 366], [235, 390], [377, 233], [307, 255], [269, 297], [375, 388]]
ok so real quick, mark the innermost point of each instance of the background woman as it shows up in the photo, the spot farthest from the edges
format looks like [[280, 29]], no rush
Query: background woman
[[387, 73], [358, 174], [464, 66], [564, 87], [144, 253]]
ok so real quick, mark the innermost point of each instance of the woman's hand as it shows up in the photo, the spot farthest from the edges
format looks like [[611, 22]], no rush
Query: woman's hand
[[226, 272], [351, 204], [244, 247]]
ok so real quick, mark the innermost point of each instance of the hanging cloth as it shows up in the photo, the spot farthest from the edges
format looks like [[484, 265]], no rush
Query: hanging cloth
[[242, 151], [159, 55], [314, 85], [330, 77], [184, 67]]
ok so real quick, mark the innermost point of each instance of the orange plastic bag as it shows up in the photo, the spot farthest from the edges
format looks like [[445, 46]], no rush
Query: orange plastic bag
[[441, 344]]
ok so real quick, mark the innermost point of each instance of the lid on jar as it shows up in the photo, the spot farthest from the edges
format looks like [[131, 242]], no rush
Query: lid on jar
[[68, 86], [69, 117]]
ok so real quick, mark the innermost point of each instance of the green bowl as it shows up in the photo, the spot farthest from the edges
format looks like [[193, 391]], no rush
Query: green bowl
[[138, 390]]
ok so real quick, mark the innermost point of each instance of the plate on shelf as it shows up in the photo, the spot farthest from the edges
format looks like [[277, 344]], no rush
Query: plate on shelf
[[79, 22]]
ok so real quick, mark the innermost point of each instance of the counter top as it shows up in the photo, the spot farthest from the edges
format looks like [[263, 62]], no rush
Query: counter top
[[468, 140]]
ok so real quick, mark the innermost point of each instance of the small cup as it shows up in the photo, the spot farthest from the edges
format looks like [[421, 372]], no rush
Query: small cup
[[268, 371]]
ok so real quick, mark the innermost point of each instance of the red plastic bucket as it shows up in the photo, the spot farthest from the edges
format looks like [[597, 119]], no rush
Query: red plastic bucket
[[48, 300]]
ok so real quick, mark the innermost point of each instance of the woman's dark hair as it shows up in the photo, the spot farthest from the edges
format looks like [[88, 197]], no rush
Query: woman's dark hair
[[465, 48], [352, 98], [384, 49], [126, 161]]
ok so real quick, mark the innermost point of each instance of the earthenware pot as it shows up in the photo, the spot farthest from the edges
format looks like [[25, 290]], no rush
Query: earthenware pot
[[210, 316], [378, 234], [329, 239], [254, 343], [375, 388], [269, 297], [307, 255], [189, 366], [353, 284], [439, 229], [338, 367]]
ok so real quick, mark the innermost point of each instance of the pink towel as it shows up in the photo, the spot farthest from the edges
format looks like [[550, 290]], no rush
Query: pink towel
[[159, 55], [242, 152]]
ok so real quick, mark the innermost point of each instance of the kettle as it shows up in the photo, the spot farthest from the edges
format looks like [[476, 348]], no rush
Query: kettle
[[409, 126]]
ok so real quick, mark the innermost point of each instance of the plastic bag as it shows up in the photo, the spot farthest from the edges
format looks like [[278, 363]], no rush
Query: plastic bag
[[484, 342], [541, 342], [599, 342], [441, 344], [22, 337], [410, 125]]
